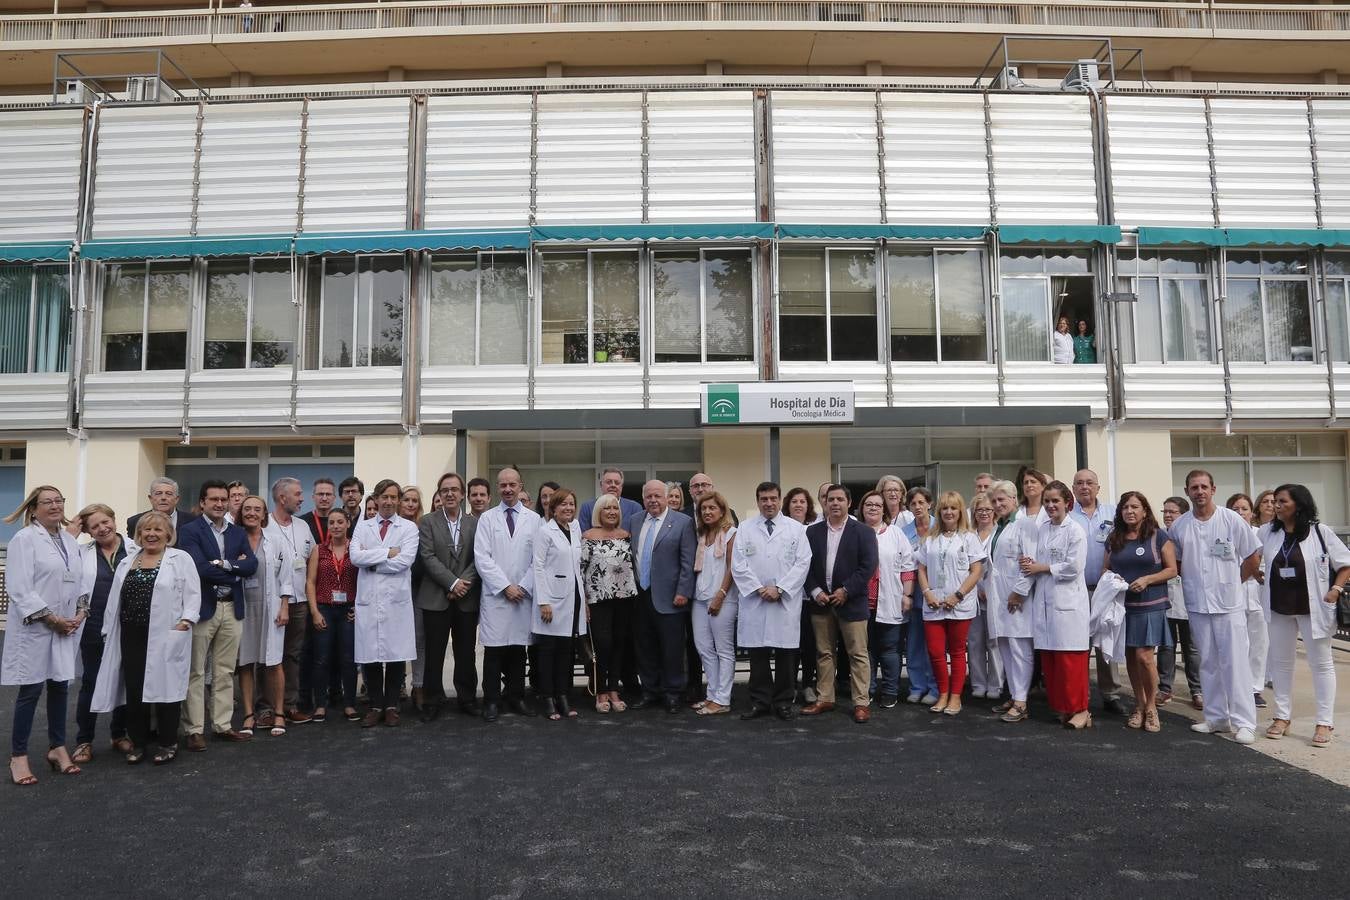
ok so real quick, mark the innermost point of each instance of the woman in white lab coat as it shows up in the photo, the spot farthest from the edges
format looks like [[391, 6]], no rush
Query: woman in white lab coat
[[383, 549], [1307, 567], [951, 561], [716, 601], [1010, 627], [1253, 590], [266, 612], [1031, 483], [1053, 578], [986, 670], [48, 602], [154, 600], [557, 601]]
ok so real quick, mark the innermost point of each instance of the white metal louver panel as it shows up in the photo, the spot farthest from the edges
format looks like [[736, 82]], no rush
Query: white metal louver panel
[[1160, 161], [825, 157], [590, 158], [701, 156], [1263, 163], [356, 165], [143, 175], [478, 161], [1043, 165], [250, 169], [40, 174], [1331, 124], [937, 169]]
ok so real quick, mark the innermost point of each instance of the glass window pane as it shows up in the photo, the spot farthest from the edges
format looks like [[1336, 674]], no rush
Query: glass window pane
[[729, 295], [1147, 263], [954, 448], [1327, 443], [339, 300], [1182, 262], [273, 335], [51, 331], [1223, 445], [226, 315], [505, 313], [450, 325], [563, 311], [1289, 336], [1068, 262], [1338, 263], [1242, 311], [675, 307], [166, 326], [1326, 481], [1020, 260], [1186, 446], [853, 304], [1187, 314], [1338, 338], [615, 295], [123, 317], [1284, 263], [1239, 263], [16, 297], [1026, 319], [1274, 445], [385, 280], [913, 306], [801, 299], [961, 303], [1124, 313], [1148, 322]]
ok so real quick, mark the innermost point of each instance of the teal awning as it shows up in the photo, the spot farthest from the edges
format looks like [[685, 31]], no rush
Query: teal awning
[[1059, 234], [399, 241], [45, 252], [735, 231], [164, 248], [1167, 237], [1244, 237], [825, 232]]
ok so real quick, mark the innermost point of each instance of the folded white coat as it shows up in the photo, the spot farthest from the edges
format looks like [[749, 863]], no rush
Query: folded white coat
[[1107, 625]]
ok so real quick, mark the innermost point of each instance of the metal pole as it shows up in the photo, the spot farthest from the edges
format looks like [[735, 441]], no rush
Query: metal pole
[[775, 441], [1080, 445]]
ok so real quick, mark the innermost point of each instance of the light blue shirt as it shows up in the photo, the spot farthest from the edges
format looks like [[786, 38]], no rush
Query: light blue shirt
[[1097, 527]]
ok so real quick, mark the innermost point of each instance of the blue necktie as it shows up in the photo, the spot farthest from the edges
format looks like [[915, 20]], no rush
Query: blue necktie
[[645, 563], [511, 520]]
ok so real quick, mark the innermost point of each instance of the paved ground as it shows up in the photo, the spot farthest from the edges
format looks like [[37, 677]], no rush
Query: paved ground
[[680, 806]]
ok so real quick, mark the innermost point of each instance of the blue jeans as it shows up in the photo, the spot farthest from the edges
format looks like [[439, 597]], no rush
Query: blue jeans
[[921, 680], [883, 648], [91, 654], [339, 639], [25, 707]]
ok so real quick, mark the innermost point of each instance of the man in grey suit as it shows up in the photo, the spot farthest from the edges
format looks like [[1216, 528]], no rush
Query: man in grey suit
[[448, 598], [663, 540]]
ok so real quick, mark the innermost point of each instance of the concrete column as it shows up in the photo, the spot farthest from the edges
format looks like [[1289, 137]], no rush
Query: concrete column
[[115, 471], [553, 70], [396, 73], [713, 67], [805, 458], [435, 457], [737, 460], [1179, 73], [1328, 76], [872, 69]]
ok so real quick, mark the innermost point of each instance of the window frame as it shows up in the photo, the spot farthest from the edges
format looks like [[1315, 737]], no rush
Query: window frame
[[478, 256], [881, 327], [297, 349], [355, 306], [1132, 279], [190, 263], [932, 251], [1328, 280], [643, 278], [1047, 277], [654, 252], [30, 336], [1262, 279]]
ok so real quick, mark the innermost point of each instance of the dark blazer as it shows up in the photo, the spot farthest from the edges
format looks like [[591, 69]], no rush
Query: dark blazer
[[442, 566], [672, 564], [183, 519], [196, 538], [855, 562]]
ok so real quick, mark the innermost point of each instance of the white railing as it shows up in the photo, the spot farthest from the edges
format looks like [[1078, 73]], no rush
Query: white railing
[[1013, 16]]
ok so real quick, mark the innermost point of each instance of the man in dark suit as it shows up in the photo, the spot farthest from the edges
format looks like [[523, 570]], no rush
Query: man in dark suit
[[843, 560], [663, 542], [224, 559], [448, 598], [163, 499]]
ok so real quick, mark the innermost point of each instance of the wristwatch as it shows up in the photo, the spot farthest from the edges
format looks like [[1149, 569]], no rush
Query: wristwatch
[[958, 595]]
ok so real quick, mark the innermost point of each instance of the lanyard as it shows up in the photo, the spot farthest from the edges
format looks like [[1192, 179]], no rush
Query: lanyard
[[453, 525], [1287, 547], [339, 565], [319, 527]]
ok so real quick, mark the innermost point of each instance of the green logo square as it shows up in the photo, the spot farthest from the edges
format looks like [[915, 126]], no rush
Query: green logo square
[[724, 403]]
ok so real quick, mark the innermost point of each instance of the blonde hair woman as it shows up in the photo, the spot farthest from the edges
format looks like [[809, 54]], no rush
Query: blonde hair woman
[[892, 491], [951, 562], [716, 601], [267, 610], [986, 670], [100, 559]]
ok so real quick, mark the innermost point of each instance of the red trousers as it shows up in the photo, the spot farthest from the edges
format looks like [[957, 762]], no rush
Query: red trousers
[[944, 637], [1066, 679]]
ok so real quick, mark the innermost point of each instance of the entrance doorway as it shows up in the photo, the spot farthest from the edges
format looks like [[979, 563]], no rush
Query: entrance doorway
[[861, 479]]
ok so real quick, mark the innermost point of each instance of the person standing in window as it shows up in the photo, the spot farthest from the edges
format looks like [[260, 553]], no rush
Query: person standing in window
[[1258, 637], [100, 558], [384, 548], [800, 507], [1062, 343], [716, 601], [1178, 627], [48, 604], [951, 562], [330, 587], [610, 580], [558, 617], [267, 605], [1084, 345]]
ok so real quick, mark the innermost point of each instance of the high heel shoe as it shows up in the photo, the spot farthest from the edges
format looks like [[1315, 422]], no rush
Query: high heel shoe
[[551, 709], [565, 709], [21, 780], [55, 763], [1086, 723]]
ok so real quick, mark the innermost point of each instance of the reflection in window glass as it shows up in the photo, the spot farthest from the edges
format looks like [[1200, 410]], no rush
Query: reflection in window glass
[[225, 342], [339, 312], [272, 335], [384, 275], [1242, 314], [853, 304], [729, 305], [1148, 322], [478, 312], [167, 320], [451, 318], [1187, 311], [123, 317], [145, 316], [961, 304], [505, 308], [564, 314], [615, 315], [801, 298], [1338, 339], [1289, 337], [249, 321], [913, 306], [363, 300], [676, 307], [1026, 319]]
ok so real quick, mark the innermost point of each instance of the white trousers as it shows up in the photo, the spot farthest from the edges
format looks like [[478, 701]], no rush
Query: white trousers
[[420, 637], [1019, 661], [1284, 632], [986, 669], [715, 640], [1225, 668], [1258, 642]]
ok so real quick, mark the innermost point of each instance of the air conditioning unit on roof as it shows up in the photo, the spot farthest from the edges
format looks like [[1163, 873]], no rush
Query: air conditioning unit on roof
[[1085, 73]]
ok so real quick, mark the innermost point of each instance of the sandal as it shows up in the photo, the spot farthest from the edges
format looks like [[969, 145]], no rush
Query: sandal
[[83, 753], [246, 726], [1278, 729], [709, 708], [55, 762], [351, 715], [320, 715], [1002, 707], [21, 780], [1015, 713], [279, 726], [1322, 736], [617, 704], [1151, 723], [1136, 719], [602, 704], [123, 745], [164, 755]]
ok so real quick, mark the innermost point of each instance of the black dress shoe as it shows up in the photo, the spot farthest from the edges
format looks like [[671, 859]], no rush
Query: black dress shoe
[[673, 705], [521, 708], [490, 712], [430, 712], [785, 712], [646, 701], [1114, 706], [471, 708], [756, 712]]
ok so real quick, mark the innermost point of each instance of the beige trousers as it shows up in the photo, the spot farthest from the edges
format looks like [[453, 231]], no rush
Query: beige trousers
[[218, 636], [828, 627]]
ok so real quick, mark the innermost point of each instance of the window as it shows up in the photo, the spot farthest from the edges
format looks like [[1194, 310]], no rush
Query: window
[[1338, 295], [146, 306], [357, 305], [479, 310], [1171, 317], [589, 307], [250, 320], [827, 305], [11, 487], [703, 306], [937, 305], [1267, 313], [257, 466], [1039, 286], [34, 319], [574, 461]]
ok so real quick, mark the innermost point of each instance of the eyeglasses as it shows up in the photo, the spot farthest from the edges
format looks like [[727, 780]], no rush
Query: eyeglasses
[[52, 501]]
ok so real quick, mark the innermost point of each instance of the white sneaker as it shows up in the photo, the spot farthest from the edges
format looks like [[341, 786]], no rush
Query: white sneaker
[[1211, 728], [1245, 736]]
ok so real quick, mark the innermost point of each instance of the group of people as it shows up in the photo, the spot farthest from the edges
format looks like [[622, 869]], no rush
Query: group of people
[[275, 612]]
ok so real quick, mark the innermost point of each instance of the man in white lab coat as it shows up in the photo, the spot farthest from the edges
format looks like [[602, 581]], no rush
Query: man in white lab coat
[[769, 563], [1218, 552], [503, 552]]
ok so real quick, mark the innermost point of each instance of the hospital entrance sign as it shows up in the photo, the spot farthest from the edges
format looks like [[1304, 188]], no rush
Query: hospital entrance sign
[[778, 403]]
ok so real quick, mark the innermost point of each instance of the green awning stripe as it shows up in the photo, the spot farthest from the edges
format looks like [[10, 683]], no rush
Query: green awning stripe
[[164, 248], [1150, 236], [827, 232], [736, 231], [1244, 237], [44, 252], [399, 241], [1059, 234]]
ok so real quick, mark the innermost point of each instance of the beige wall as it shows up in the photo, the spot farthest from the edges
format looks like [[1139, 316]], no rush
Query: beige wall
[[1143, 462], [54, 460], [1057, 454], [737, 460], [377, 456], [804, 458], [117, 470], [435, 457]]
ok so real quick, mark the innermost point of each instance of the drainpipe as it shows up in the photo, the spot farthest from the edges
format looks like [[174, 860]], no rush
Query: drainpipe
[[992, 242], [1319, 260], [82, 278], [1221, 280], [1101, 151]]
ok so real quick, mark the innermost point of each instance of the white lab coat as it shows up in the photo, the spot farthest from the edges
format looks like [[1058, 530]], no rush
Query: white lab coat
[[758, 560], [384, 603], [299, 543], [1213, 583], [37, 577], [1002, 575], [1252, 589], [895, 556], [263, 640], [1316, 574], [168, 652], [947, 560], [1060, 608], [557, 576], [1108, 617], [503, 560]]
